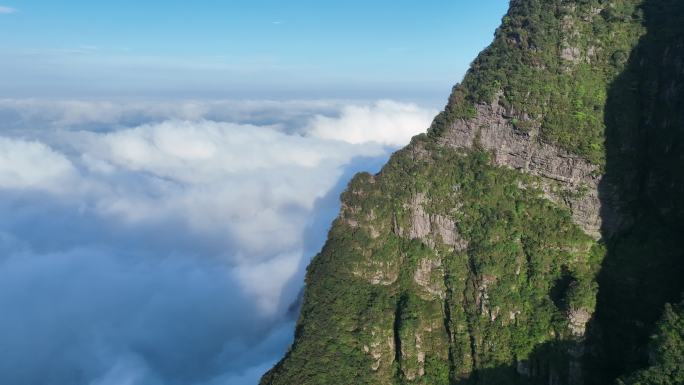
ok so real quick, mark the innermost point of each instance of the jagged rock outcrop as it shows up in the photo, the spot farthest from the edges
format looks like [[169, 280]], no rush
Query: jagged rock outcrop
[[566, 178], [430, 228]]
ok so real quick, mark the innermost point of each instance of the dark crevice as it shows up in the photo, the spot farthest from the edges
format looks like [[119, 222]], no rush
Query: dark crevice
[[473, 352], [470, 303], [559, 290], [397, 332], [447, 322]]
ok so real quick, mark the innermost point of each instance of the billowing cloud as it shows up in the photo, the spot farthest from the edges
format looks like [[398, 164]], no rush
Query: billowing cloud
[[6, 10], [32, 165], [385, 122], [164, 243]]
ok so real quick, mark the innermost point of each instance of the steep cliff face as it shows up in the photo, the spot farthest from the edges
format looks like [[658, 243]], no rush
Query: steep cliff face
[[474, 255], [432, 273]]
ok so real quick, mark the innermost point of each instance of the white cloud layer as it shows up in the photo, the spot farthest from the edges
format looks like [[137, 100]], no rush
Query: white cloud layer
[[385, 122], [7, 10], [164, 243]]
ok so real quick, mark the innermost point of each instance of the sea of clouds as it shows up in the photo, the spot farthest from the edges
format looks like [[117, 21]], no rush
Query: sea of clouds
[[165, 242]]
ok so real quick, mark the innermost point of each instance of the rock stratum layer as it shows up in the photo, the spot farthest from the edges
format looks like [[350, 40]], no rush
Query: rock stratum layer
[[534, 234]]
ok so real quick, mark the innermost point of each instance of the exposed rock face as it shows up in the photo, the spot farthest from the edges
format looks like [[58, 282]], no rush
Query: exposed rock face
[[578, 321], [572, 54], [568, 179], [431, 228], [381, 348], [430, 277], [378, 272]]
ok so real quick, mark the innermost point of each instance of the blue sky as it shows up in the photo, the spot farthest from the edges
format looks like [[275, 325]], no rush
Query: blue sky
[[257, 48]]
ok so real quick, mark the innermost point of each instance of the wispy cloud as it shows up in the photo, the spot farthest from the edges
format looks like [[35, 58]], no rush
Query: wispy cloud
[[6, 10]]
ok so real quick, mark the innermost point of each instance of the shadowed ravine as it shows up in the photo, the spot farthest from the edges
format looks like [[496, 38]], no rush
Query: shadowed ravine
[[643, 190]]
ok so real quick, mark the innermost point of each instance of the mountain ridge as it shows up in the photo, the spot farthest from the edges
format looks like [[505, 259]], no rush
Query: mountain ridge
[[478, 254]]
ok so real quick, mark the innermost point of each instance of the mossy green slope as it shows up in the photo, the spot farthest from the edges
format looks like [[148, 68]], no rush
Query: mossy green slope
[[553, 61], [382, 307]]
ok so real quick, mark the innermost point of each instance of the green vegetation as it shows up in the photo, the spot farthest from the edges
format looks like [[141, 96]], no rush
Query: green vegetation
[[553, 61], [497, 300], [667, 352], [447, 269]]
